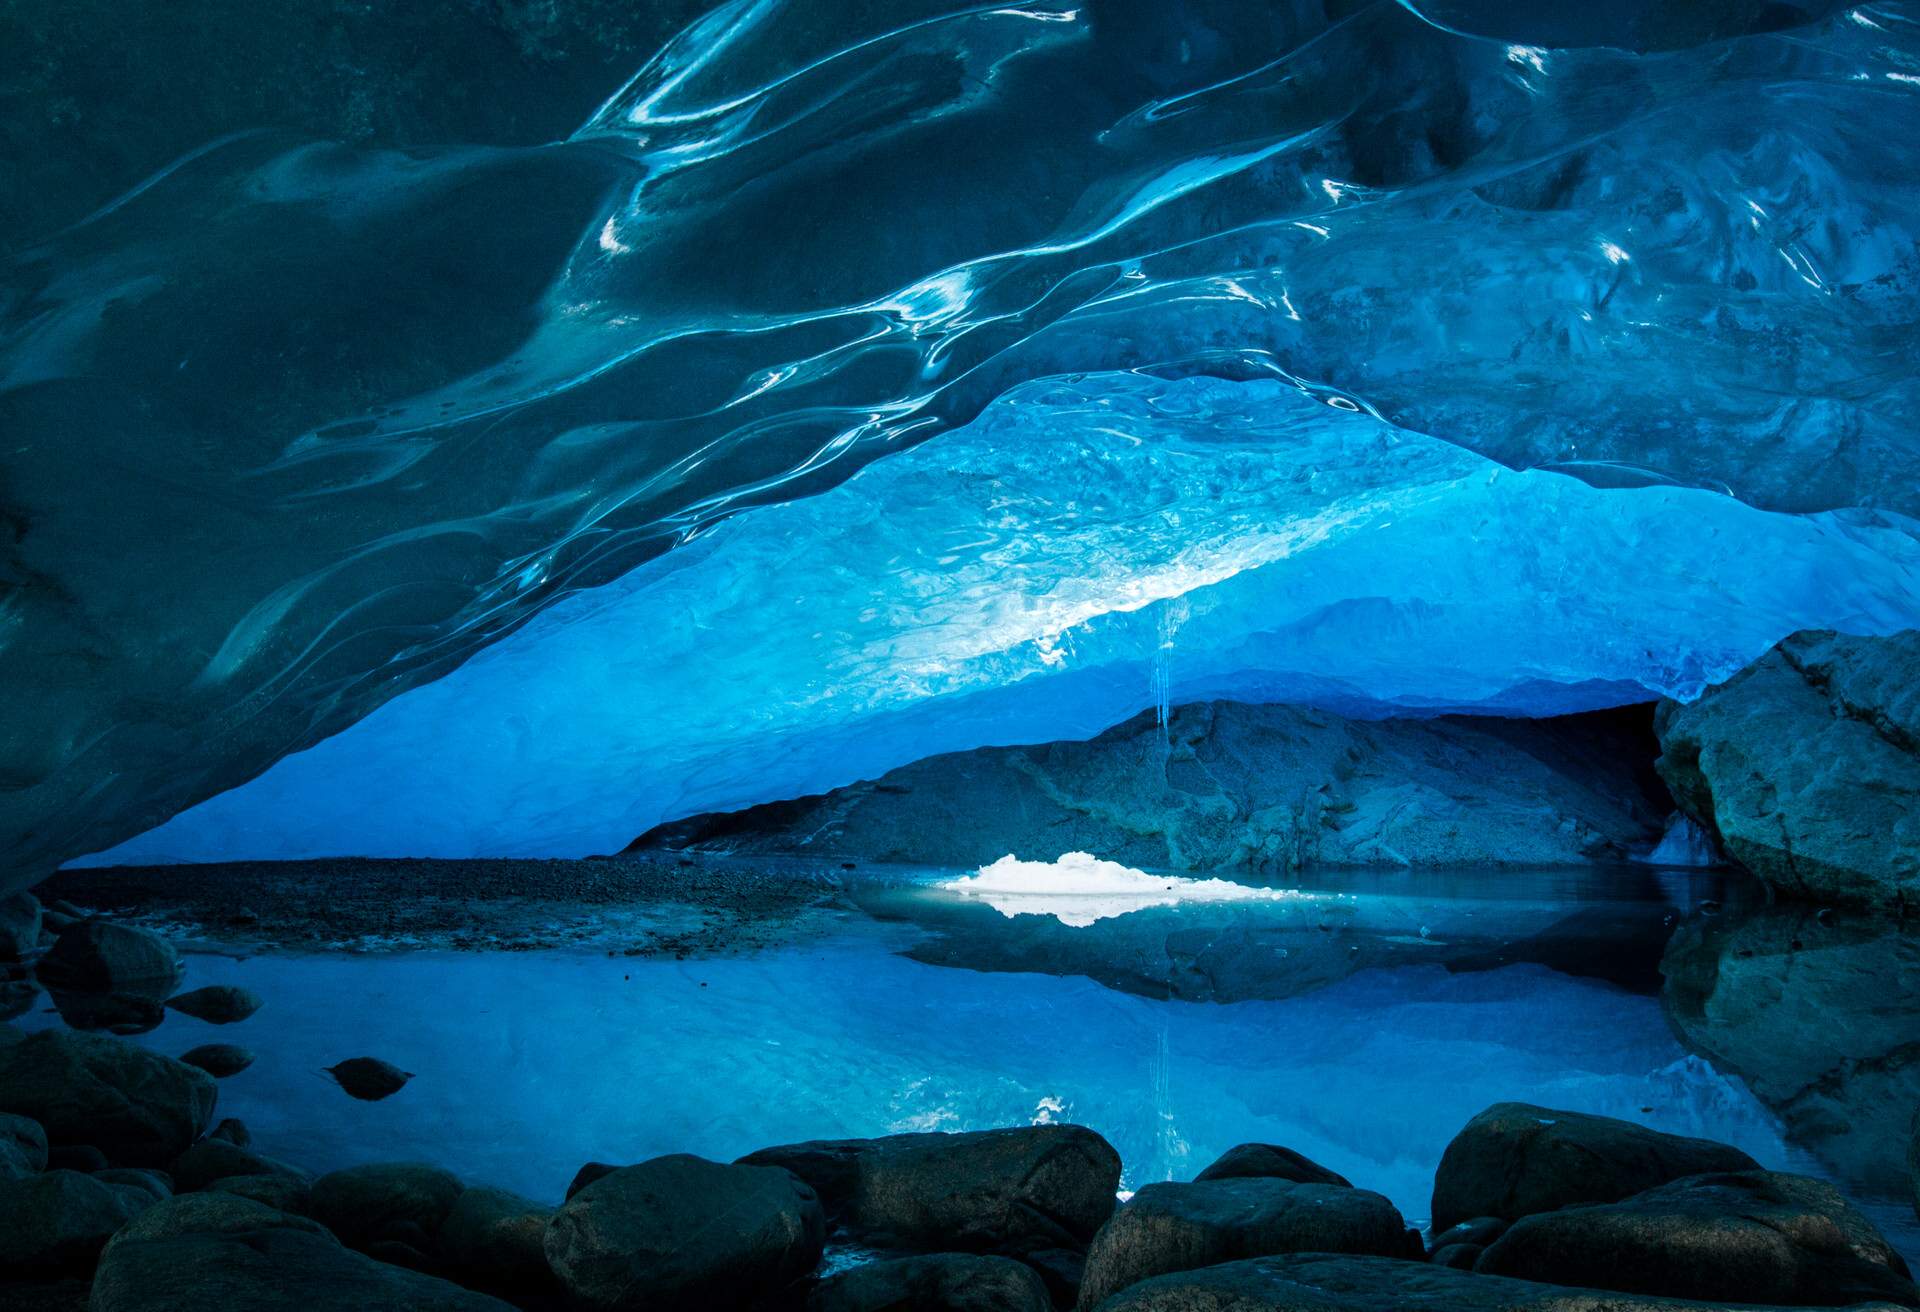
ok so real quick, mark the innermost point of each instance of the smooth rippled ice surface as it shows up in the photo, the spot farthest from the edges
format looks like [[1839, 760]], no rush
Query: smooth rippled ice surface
[[528, 1065], [1084, 548], [298, 426]]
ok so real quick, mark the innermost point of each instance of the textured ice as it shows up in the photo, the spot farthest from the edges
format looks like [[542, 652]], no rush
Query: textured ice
[[1079, 889], [1036, 575], [298, 426]]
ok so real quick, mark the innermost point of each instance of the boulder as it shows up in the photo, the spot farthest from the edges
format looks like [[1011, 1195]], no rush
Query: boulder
[[233, 1130], [285, 1193], [60, 1220], [1752, 1237], [1461, 1257], [219, 1059], [1513, 1160], [1013, 1190], [587, 1174], [936, 1282], [157, 1185], [216, 1159], [19, 926], [122, 1011], [683, 1232], [1270, 1161], [141, 1108], [403, 1202], [76, 1157], [23, 1145], [217, 1004], [99, 955], [203, 1251], [493, 1239], [1806, 766], [1321, 1282], [1179, 1227]]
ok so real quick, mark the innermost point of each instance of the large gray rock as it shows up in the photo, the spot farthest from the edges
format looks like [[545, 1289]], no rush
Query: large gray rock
[[1754, 1237], [936, 1282], [1018, 1190], [101, 956], [1806, 766], [1272, 1162], [386, 1202], [1181, 1227], [683, 1232], [59, 1221], [204, 1251], [1262, 788], [138, 1107], [1513, 1160], [1320, 1282]]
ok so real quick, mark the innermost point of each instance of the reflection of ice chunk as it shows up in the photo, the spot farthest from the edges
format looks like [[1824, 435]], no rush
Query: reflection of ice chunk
[[1685, 844], [1079, 889]]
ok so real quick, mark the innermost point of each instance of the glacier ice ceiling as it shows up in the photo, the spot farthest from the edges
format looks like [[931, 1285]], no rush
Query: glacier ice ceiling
[[862, 381]]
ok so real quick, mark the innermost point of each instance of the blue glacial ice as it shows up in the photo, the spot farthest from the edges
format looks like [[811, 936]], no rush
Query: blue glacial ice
[[1081, 549], [299, 426]]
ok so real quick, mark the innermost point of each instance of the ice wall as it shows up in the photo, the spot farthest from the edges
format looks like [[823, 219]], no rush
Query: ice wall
[[1011, 581], [297, 426]]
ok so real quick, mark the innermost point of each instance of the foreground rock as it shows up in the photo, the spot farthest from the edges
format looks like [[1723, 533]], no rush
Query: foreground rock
[[1806, 766], [1514, 1159], [493, 1239], [58, 1222], [937, 1282], [204, 1251], [212, 1160], [386, 1203], [1272, 1162], [1318, 1282], [1181, 1227], [138, 1107], [98, 955], [1016, 1190], [683, 1232], [23, 1145], [1753, 1237], [1262, 788], [19, 926]]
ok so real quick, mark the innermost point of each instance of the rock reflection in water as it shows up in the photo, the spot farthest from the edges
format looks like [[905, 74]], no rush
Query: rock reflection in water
[[1820, 1016]]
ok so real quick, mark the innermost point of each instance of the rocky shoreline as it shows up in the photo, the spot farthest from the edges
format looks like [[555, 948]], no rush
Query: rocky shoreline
[[123, 1190]]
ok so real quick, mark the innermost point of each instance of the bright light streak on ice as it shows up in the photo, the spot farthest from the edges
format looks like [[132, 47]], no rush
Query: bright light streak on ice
[[1079, 889]]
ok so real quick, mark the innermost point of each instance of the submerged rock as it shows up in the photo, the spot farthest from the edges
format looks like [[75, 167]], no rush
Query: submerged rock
[[1750, 1237], [1272, 1162], [936, 1282], [683, 1232], [99, 955], [395, 1202], [1181, 1227], [60, 1220], [1015, 1190], [207, 1251], [141, 1108], [217, 1004], [1264, 788], [1806, 766], [219, 1059], [118, 1012], [368, 1078], [1513, 1160]]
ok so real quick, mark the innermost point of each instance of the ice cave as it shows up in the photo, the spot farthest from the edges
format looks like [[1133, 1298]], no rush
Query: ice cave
[[1053, 656]]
